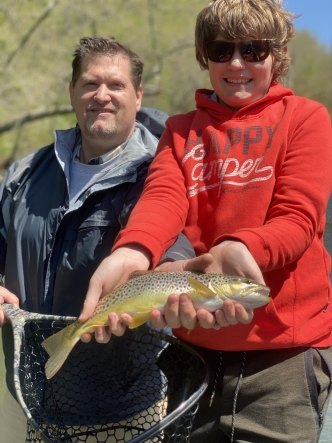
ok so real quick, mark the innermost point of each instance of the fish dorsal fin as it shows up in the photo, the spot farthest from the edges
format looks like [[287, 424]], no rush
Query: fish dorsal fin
[[201, 288]]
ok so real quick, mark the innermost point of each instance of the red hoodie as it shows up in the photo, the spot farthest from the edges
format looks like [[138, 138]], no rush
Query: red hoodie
[[261, 175]]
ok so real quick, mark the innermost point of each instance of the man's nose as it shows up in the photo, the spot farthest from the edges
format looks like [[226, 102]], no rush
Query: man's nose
[[102, 94]]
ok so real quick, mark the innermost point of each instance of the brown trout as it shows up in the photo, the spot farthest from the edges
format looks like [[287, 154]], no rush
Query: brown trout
[[147, 291]]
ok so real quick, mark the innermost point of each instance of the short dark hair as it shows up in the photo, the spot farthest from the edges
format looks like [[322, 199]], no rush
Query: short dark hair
[[91, 46]]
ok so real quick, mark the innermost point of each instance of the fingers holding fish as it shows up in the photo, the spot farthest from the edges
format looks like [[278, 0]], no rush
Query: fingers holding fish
[[227, 315], [187, 312], [244, 315], [117, 324], [146, 296], [232, 314], [171, 311], [206, 319], [157, 319], [117, 327], [102, 335], [178, 311], [113, 271]]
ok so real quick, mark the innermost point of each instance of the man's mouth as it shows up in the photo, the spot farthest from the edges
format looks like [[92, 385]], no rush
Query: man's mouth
[[101, 110]]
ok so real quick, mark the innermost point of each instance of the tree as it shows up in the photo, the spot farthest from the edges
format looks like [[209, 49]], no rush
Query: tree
[[311, 69], [36, 61], [36, 58]]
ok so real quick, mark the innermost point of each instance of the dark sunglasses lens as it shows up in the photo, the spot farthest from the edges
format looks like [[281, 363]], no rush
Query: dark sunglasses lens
[[255, 50], [220, 51], [252, 51]]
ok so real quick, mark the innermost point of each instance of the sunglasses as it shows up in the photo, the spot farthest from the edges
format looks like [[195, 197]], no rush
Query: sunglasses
[[252, 51]]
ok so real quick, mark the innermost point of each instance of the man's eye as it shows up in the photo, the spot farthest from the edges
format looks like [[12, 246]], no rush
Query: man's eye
[[116, 86]]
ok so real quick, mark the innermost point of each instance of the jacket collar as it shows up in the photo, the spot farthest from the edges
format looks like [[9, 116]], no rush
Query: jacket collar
[[138, 149]]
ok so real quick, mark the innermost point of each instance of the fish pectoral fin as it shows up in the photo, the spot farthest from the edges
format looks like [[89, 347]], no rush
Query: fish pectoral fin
[[141, 313], [200, 288], [215, 291], [139, 319]]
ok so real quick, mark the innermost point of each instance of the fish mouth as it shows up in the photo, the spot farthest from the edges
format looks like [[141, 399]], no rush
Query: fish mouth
[[253, 297], [256, 291], [252, 301]]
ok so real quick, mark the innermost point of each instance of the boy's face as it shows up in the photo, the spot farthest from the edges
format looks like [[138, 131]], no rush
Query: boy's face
[[239, 83]]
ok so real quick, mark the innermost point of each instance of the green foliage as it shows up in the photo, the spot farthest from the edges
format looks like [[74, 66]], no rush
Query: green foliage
[[311, 71], [38, 37], [36, 57]]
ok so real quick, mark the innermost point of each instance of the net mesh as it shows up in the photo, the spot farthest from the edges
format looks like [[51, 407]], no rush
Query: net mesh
[[142, 387]]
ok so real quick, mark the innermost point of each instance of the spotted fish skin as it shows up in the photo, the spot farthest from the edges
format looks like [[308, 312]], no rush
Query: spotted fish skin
[[153, 288], [147, 291]]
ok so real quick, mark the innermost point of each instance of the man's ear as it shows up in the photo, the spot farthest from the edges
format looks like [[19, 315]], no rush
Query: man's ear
[[71, 89], [139, 97]]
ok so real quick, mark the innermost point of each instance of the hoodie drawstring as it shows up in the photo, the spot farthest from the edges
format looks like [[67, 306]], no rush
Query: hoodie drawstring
[[236, 392], [218, 381]]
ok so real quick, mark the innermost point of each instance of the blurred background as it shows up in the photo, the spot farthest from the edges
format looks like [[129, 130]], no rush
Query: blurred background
[[38, 37]]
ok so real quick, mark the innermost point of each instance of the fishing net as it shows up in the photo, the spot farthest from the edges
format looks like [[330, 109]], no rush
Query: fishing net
[[141, 387]]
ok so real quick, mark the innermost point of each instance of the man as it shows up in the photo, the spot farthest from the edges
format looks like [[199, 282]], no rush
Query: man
[[63, 206]]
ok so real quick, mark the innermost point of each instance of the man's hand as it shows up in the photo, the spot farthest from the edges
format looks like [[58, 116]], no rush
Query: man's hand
[[112, 271], [7, 297]]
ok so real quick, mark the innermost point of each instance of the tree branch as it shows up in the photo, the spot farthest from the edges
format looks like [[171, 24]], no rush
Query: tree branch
[[33, 116], [32, 29]]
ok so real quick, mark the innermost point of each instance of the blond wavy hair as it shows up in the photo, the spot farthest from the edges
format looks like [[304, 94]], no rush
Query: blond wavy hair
[[244, 20]]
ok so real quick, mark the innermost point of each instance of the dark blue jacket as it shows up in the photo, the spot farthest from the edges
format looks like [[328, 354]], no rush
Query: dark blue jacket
[[49, 249]]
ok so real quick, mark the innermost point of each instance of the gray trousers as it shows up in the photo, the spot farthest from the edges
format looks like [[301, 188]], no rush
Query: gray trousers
[[278, 396]]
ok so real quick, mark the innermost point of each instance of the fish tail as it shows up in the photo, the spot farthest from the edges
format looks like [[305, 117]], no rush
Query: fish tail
[[59, 346]]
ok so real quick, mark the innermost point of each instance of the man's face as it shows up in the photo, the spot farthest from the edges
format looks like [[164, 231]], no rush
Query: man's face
[[105, 102]]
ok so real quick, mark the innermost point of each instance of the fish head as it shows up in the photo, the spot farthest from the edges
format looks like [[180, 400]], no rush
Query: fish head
[[245, 291]]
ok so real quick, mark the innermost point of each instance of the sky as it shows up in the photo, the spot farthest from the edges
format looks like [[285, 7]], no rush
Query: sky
[[316, 18]]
